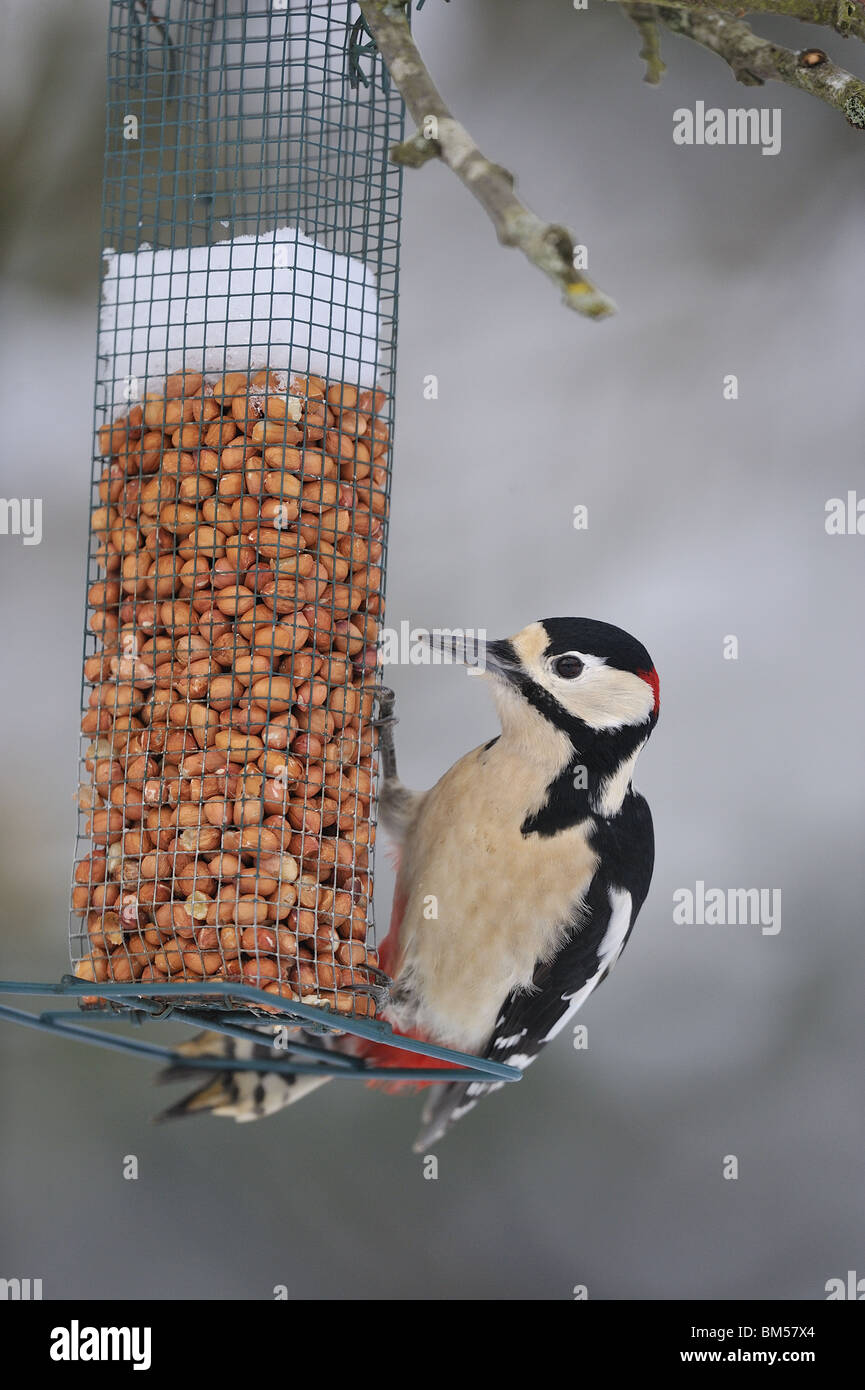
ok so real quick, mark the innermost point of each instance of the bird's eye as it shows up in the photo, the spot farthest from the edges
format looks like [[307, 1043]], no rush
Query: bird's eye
[[568, 667]]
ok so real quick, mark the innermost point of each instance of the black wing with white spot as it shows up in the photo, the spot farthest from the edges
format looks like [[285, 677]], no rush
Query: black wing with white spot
[[603, 923]]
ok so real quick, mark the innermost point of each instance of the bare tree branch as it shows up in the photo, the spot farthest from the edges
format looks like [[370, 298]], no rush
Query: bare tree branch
[[646, 19], [547, 245], [755, 60], [846, 17]]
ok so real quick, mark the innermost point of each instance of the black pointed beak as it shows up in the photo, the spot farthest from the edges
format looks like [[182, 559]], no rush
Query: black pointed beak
[[482, 657]]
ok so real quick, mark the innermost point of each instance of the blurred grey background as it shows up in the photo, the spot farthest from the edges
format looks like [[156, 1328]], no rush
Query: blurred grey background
[[603, 1167]]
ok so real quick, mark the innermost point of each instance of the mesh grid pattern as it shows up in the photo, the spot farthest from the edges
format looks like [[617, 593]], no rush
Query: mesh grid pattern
[[239, 521]]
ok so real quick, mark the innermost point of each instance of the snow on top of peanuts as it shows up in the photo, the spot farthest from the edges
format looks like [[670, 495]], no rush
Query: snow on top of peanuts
[[278, 300]]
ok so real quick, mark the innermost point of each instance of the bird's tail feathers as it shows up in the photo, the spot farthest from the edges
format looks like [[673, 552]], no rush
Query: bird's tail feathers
[[240, 1095], [445, 1106]]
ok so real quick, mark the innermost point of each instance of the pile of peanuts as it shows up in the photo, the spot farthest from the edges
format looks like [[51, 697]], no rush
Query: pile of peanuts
[[231, 760]]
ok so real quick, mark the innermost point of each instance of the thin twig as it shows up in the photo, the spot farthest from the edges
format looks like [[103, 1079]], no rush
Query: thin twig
[[646, 19], [755, 60], [548, 246]]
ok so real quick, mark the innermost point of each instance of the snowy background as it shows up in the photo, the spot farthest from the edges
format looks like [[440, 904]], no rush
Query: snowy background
[[603, 1167]]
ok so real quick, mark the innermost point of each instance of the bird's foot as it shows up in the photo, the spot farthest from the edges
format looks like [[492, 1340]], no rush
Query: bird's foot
[[385, 717]]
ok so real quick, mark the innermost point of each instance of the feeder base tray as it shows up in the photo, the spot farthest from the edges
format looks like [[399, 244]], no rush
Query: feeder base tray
[[240, 1011]]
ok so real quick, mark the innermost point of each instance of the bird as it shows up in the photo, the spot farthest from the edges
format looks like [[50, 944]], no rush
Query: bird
[[520, 874]]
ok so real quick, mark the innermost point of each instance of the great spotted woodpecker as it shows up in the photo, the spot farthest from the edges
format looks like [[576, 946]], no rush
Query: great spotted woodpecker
[[520, 873]]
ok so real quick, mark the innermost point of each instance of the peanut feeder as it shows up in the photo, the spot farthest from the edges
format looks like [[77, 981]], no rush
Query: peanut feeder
[[239, 513], [241, 482]]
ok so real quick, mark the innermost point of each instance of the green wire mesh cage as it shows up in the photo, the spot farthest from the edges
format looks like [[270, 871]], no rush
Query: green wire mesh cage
[[244, 407], [244, 411]]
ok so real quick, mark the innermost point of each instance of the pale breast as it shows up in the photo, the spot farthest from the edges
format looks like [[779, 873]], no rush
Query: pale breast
[[483, 902]]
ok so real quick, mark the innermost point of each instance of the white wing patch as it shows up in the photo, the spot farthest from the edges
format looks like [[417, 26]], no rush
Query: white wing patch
[[608, 952], [439, 1118], [521, 1059]]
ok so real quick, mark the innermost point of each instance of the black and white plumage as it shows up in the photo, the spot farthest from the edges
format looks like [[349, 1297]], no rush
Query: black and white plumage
[[556, 848], [520, 873], [596, 937], [241, 1095]]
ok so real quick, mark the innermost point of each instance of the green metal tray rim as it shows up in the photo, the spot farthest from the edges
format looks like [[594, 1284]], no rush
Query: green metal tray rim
[[140, 999]]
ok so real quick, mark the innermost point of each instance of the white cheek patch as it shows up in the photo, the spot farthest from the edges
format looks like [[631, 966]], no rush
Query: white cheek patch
[[606, 698]]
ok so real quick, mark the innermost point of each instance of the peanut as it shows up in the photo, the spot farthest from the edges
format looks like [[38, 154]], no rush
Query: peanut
[[239, 528]]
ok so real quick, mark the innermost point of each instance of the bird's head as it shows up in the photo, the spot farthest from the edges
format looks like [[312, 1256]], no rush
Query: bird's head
[[577, 673], [575, 680]]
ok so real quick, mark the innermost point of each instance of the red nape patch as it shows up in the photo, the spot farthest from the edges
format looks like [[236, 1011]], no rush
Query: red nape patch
[[651, 678], [380, 1055]]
